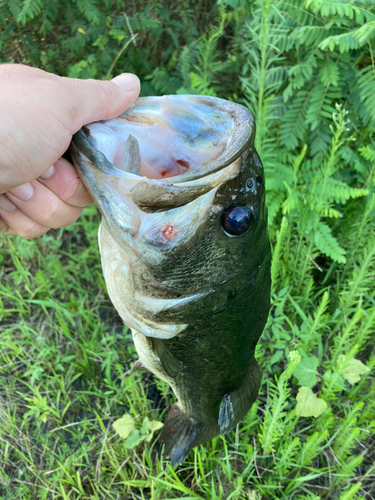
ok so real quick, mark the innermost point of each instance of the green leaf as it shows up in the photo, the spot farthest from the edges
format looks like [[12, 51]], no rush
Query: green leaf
[[134, 439], [329, 73], [149, 427], [328, 244], [308, 404], [30, 9], [335, 380], [118, 34], [306, 371], [154, 425], [352, 370], [144, 428], [101, 42], [276, 357], [124, 425]]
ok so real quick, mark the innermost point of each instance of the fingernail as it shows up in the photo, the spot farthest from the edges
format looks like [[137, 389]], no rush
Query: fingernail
[[6, 204], [127, 82], [23, 192], [48, 173]]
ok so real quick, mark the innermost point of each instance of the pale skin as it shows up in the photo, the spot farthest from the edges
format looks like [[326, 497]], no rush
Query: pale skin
[[39, 113]]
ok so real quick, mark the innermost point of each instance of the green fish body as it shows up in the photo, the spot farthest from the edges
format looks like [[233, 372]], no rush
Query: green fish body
[[185, 251]]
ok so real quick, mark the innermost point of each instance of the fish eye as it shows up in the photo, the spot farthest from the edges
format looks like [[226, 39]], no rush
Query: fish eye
[[236, 220]]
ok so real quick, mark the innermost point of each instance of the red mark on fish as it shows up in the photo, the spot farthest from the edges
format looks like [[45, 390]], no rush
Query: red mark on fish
[[170, 232]]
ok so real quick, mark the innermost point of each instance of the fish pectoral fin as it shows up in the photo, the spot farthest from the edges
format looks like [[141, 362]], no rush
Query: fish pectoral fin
[[172, 366], [226, 414], [177, 436]]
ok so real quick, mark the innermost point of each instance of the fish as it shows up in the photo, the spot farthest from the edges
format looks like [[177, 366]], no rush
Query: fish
[[185, 252]]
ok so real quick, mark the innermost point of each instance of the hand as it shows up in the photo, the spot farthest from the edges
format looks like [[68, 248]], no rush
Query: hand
[[39, 114]]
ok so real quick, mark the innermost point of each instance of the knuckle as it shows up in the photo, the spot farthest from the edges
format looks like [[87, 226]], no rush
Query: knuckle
[[104, 90], [51, 212], [104, 96], [69, 217], [77, 195], [31, 231], [73, 113], [71, 190], [3, 226], [37, 234]]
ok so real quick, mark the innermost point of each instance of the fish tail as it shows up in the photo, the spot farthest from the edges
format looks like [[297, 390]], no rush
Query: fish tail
[[181, 433]]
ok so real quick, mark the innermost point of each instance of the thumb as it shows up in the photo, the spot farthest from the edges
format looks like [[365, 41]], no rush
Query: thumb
[[95, 100]]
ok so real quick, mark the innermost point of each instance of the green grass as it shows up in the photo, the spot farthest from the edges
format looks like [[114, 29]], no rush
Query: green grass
[[65, 377], [66, 357]]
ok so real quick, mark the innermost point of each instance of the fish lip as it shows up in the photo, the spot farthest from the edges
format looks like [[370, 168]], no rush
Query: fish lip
[[241, 139]]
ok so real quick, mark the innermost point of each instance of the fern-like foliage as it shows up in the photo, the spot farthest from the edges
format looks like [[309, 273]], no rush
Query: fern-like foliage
[[366, 85], [200, 67], [276, 409], [327, 243], [289, 50], [310, 193], [82, 38], [30, 9]]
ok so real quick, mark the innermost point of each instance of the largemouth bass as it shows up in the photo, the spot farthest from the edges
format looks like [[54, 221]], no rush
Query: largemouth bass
[[185, 251]]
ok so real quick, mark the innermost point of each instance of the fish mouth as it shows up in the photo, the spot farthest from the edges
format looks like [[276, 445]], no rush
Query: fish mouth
[[165, 151]]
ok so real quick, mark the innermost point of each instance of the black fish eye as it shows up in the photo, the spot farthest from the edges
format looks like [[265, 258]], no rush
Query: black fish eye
[[236, 220]]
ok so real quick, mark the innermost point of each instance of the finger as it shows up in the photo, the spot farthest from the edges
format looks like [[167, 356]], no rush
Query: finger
[[95, 100], [6, 205], [18, 223], [3, 226], [42, 205], [63, 180]]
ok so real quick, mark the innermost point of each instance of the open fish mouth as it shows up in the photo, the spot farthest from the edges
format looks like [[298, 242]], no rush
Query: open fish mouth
[[164, 142], [155, 173], [165, 137]]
